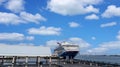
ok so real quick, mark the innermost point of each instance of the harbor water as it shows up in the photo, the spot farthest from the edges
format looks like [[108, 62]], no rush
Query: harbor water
[[112, 59]]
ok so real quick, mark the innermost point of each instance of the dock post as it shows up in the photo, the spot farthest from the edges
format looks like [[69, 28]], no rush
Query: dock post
[[38, 61], [96, 64], [58, 60], [71, 59], [84, 62], [26, 61], [47, 59], [90, 63], [13, 61], [65, 60], [79, 62], [50, 61], [2, 60]]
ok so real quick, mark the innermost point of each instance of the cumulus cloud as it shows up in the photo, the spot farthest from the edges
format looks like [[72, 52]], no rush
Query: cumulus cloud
[[52, 43], [13, 19], [111, 11], [73, 24], [15, 5], [31, 18], [108, 24], [29, 38], [73, 7], [9, 18], [82, 43], [92, 17], [97, 51], [118, 36], [88, 2], [14, 37], [45, 31], [19, 44], [105, 47]]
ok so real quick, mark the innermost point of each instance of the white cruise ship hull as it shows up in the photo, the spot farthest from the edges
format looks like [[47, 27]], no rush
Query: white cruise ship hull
[[70, 54], [67, 50]]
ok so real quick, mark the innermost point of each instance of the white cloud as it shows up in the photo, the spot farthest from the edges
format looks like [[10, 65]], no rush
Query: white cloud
[[105, 47], [118, 36], [15, 5], [111, 11], [29, 38], [14, 37], [108, 24], [11, 36], [97, 51], [82, 44], [52, 44], [73, 7], [13, 19], [73, 24], [93, 38], [111, 45], [86, 2], [18, 44], [45, 31], [31, 18], [92, 17], [9, 18]]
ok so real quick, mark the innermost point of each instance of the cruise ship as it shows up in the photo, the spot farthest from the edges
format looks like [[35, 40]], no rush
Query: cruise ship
[[66, 50]]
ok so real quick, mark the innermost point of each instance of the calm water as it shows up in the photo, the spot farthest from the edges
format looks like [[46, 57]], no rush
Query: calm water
[[100, 58]]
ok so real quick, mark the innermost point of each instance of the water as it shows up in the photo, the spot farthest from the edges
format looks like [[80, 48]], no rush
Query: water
[[100, 58]]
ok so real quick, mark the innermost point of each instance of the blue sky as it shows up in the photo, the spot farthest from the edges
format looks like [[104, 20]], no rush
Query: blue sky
[[92, 24]]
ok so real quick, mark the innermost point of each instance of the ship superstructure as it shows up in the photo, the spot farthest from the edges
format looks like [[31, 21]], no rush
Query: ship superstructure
[[66, 50]]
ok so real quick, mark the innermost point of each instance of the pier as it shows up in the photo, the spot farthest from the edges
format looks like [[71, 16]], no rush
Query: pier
[[17, 61], [48, 61]]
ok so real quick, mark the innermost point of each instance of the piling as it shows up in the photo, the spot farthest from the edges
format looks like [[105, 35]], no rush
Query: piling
[[13, 61], [26, 60], [50, 61]]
